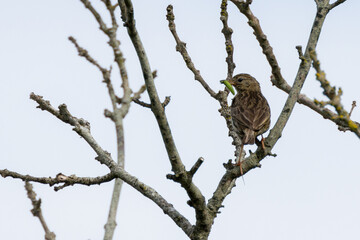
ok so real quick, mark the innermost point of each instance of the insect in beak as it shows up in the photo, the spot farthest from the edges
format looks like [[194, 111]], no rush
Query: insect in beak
[[228, 85]]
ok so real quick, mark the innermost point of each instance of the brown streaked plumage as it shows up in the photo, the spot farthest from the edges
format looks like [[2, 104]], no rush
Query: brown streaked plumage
[[250, 111]]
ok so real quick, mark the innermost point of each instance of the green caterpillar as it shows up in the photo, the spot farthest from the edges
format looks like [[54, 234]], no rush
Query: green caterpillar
[[228, 86]]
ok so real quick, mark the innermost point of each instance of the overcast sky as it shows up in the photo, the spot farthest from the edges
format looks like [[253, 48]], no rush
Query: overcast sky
[[309, 191]]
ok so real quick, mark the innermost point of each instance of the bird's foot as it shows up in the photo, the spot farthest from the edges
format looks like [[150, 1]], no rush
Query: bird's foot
[[261, 142], [241, 170]]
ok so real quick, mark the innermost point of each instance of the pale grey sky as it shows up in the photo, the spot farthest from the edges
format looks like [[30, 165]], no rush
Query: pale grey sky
[[309, 191]]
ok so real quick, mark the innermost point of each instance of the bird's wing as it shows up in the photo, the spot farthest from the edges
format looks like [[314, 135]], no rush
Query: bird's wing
[[252, 113], [261, 114], [242, 117]]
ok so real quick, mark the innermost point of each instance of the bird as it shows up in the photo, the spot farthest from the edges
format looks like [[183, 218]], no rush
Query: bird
[[250, 111]]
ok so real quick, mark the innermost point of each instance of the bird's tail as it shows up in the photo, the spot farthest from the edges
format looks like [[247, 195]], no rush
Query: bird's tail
[[240, 165], [249, 136]]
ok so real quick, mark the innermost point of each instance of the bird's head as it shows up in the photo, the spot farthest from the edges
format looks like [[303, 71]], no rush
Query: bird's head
[[244, 82]]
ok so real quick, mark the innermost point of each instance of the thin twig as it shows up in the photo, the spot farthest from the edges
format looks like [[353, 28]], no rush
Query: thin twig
[[111, 9], [334, 97], [326, 113], [147, 105], [84, 53], [300, 52], [59, 179], [229, 46], [329, 91], [262, 39], [181, 47], [141, 103], [166, 101], [336, 3], [142, 89], [353, 105], [37, 212], [196, 166], [81, 127], [137, 94], [105, 72], [118, 55], [95, 13]]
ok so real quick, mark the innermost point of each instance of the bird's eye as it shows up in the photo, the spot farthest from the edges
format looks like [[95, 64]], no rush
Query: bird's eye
[[239, 80]]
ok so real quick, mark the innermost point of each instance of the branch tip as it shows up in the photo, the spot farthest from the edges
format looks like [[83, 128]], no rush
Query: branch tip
[[166, 101], [109, 114], [300, 52], [335, 4], [196, 166], [353, 105], [141, 103]]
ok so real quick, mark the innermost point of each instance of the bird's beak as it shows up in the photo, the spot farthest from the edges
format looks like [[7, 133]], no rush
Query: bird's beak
[[231, 81]]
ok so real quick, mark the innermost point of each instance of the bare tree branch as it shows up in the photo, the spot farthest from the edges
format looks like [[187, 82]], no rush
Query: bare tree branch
[[166, 101], [229, 46], [336, 3], [203, 226], [126, 7], [117, 172], [111, 221], [147, 105], [141, 103], [105, 72], [82, 127], [111, 8], [196, 166], [137, 94], [60, 178], [150, 193], [353, 105], [324, 112], [262, 39], [221, 96], [37, 212], [97, 16], [115, 45], [334, 99], [118, 113], [142, 89], [84, 53], [157, 108], [181, 47]]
